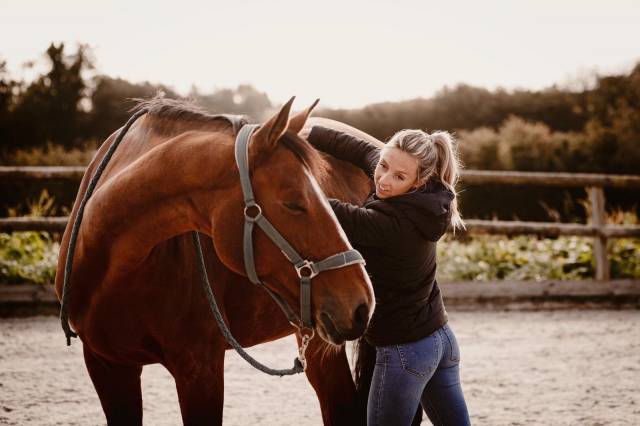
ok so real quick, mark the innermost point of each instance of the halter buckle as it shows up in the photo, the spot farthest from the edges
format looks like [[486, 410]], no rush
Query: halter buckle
[[258, 214], [306, 269]]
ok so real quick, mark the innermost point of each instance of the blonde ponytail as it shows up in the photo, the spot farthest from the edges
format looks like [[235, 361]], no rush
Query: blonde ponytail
[[448, 167], [437, 158]]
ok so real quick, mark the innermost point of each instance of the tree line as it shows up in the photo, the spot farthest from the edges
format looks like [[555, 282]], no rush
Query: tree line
[[63, 107], [595, 129]]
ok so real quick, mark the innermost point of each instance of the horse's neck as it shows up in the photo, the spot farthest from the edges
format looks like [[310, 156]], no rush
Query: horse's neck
[[164, 193]]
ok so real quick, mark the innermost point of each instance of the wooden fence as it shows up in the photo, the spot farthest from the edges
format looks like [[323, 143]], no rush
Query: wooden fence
[[594, 184]]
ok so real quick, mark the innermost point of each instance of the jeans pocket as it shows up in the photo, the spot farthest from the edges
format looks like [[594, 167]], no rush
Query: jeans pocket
[[420, 358], [453, 349]]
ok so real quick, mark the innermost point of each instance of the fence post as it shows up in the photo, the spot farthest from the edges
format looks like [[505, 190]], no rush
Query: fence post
[[596, 195]]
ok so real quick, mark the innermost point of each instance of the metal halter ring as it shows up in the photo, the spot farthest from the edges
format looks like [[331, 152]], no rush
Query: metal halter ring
[[252, 218], [306, 270]]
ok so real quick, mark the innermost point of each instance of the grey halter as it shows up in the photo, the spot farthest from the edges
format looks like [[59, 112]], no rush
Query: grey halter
[[305, 268]]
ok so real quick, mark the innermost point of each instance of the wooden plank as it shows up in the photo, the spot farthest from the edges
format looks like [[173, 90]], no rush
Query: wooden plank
[[472, 177], [621, 231], [27, 293], [479, 177], [534, 289], [549, 229], [50, 224], [471, 291], [474, 227], [42, 173], [596, 197]]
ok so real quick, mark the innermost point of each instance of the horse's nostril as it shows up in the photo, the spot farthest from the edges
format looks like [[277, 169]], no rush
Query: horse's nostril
[[361, 316]]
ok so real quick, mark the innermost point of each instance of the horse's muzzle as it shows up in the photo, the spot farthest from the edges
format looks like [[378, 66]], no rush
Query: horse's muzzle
[[337, 333]]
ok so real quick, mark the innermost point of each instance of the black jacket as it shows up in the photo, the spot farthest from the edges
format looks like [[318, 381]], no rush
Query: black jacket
[[397, 238]]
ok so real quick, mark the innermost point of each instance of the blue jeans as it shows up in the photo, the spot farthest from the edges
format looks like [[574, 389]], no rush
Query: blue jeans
[[425, 371]]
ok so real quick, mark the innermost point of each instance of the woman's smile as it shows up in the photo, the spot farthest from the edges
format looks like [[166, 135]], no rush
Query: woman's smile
[[396, 173], [382, 189]]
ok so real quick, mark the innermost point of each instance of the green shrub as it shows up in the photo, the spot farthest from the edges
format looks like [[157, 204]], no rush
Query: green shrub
[[522, 145], [490, 257], [31, 257], [50, 155], [28, 257]]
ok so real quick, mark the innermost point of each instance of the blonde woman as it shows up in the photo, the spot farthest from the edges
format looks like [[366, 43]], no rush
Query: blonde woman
[[414, 202]]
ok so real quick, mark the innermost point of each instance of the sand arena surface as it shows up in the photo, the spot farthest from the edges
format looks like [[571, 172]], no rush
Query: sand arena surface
[[518, 368]]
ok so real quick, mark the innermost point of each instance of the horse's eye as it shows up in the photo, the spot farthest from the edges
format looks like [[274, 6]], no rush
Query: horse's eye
[[295, 207]]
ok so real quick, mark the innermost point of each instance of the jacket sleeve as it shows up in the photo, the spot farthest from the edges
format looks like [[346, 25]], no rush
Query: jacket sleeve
[[345, 147], [365, 226]]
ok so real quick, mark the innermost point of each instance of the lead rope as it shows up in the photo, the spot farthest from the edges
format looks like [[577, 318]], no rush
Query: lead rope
[[300, 363], [64, 302]]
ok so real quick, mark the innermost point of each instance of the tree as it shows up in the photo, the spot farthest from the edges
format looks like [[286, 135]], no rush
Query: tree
[[7, 99], [48, 110], [111, 101], [245, 99]]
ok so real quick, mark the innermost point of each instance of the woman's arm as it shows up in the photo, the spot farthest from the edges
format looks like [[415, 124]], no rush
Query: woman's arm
[[365, 226], [345, 147]]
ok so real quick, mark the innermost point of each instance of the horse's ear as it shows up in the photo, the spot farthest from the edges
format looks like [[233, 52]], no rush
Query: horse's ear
[[269, 133], [297, 121]]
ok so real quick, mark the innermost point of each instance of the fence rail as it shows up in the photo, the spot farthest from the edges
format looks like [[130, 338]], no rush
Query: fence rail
[[460, 294], [474, 177], [594, 184], [474, 227]]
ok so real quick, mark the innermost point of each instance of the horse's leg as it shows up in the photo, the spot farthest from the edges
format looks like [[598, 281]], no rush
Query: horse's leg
[[118, 388], [329, 373], [200, 385]]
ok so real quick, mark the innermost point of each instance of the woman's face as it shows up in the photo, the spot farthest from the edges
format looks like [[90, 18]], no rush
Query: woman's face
[[396, 173]]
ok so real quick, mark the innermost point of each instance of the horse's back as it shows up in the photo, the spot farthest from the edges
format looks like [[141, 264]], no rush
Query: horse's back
[[343, 127]]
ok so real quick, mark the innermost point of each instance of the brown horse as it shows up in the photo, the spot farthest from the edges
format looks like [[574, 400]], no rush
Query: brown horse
[[136, 298]]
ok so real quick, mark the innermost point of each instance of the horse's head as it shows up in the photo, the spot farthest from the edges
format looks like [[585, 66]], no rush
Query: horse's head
[[280, 165]]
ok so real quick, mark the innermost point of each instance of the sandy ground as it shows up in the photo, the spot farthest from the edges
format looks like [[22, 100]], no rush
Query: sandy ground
[[518, 368]]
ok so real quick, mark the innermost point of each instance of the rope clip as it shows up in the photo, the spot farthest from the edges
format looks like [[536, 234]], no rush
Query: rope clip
[[306, 339]]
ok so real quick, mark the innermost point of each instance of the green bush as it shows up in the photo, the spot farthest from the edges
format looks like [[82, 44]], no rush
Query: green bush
[[31, 257], [50, 155], [524, 146], [488, 257], [28, 257]]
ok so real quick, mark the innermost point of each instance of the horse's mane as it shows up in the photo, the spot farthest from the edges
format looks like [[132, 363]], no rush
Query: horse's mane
[[306, 153], [166, 110]]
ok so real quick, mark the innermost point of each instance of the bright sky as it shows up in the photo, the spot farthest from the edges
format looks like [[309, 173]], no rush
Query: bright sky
[[348, 53]]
